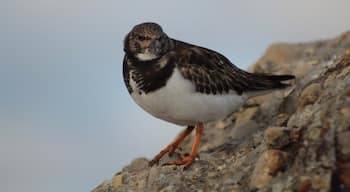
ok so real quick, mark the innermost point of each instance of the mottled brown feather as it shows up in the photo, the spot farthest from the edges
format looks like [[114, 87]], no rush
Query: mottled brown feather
[[213, 73]]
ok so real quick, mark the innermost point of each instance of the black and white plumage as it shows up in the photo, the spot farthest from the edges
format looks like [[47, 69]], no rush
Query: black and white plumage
[[183, 83]]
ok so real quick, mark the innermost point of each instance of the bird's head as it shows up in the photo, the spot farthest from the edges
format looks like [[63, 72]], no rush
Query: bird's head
[[147, 41]]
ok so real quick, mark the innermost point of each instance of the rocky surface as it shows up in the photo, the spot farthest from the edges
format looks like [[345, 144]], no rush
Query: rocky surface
[[296, 139]]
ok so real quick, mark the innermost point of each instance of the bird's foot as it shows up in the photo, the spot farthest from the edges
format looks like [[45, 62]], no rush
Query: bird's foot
[[170, 150], [184, 160]]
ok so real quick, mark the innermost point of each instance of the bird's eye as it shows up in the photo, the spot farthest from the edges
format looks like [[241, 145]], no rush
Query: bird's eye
[[140, 38]]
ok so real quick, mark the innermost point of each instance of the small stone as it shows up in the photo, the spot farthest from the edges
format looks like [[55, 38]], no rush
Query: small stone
[[347, 51], [314, 133], [277, 137], [346, 110], [343, 140], [267, 167], [305, 186], [321, 181], [282, 119], [117, 181], [344, 173], [310, 94], [345, 117], [221, 124], [295, 135]]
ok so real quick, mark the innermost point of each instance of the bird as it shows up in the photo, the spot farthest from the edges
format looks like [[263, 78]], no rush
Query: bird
[[186, 84]]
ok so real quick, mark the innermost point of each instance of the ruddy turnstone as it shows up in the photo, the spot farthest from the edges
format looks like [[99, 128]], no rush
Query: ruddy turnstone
[[186, 84]]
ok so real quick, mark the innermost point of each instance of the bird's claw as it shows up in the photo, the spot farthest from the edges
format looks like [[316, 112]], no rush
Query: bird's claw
[[184, 160]]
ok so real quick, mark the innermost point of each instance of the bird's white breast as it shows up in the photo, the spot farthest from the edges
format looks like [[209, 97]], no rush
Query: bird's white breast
[[179, 103]]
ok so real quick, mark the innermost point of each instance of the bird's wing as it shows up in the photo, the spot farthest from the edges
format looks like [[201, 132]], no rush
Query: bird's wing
[[126, 75], [213, 73]]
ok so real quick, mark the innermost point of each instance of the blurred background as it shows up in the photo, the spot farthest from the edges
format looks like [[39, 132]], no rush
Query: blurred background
[[66, 120]]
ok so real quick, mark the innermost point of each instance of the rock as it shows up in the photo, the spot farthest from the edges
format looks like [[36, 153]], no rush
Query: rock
[[277, 137], [244, 124], [305, 186], [277, 56], [310, 94], [117, 181], [137, 165], [344, 173], [295, 139], [243, 132], [344, 144], [106, 186], [267, 167], [245, 116]]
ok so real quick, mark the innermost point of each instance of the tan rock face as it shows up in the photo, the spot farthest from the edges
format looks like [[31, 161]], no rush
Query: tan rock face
[[310, 94], [276, 56], [291, 140], [277, 137], [244, 124], [267, 167]]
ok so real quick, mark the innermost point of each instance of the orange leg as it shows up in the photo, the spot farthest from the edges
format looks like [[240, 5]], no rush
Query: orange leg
[[187, 160], [172, 146]]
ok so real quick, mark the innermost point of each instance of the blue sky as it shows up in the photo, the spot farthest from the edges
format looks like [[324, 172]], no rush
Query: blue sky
[[66, 119]]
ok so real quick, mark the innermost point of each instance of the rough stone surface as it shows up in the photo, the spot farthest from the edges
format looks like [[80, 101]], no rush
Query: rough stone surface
[[277, 137], [269, 164], [290, 140], [310, 94]]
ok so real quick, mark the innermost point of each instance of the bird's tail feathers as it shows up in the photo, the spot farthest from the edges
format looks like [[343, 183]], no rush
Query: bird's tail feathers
[[266, 82], [278, 77]]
